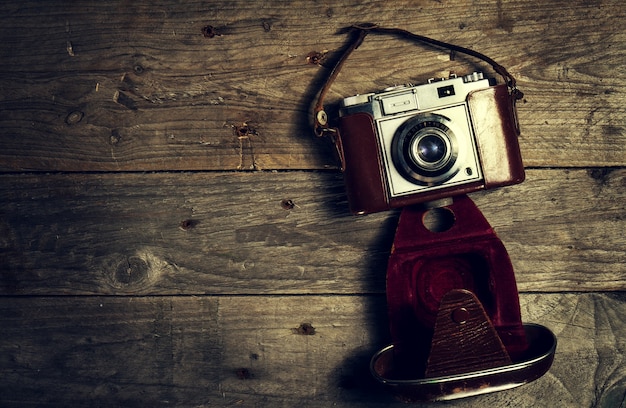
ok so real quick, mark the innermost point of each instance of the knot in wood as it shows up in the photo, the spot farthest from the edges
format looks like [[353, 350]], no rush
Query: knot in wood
[[186, 225], [243, 373], [131, 271], [74, 117], [209, 31], [287, 204], [243, 130], [138, 69], [315, 57], [115, 137], [305, 329]]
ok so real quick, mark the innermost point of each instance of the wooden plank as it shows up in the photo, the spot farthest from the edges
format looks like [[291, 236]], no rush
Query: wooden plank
[[137, 86], [198, 285], [248, 351], [278, 233]]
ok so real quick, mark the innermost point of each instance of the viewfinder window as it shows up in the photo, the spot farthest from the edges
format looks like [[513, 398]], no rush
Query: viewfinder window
[[445, 91]]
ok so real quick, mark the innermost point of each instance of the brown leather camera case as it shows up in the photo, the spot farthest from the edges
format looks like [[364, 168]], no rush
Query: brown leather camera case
[[492, 111]]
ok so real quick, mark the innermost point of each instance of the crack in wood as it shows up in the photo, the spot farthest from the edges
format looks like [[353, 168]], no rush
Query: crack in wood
[[243, 133]]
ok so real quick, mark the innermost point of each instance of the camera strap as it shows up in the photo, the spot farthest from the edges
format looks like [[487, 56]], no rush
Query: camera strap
[[360, 31]]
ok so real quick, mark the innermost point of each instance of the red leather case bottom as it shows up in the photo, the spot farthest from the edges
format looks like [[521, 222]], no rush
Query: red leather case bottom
[[425, 265]]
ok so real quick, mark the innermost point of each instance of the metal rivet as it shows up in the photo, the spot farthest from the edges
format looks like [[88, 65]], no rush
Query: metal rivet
[[460, 315], [322, 118]]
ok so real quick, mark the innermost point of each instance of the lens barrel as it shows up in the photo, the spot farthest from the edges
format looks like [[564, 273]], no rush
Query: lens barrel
[[425, 149]]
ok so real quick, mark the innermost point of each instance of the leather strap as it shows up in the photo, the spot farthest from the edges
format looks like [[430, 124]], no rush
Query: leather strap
[[360, 31]]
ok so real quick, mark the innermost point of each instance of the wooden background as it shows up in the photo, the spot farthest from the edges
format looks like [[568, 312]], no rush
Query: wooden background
[[172, 234]]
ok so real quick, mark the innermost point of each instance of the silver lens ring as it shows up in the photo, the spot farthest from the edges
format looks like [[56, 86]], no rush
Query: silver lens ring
[[424, 150]]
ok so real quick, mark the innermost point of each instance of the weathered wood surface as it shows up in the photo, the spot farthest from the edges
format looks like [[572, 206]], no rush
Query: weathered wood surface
[[122, 234], [136, 85], [203, 351], [189, 285]]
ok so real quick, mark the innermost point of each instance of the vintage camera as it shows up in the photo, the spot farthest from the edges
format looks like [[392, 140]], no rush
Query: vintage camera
[[410, 144]]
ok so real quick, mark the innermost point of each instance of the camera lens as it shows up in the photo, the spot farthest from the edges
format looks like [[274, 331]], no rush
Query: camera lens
[[424, 150], [428, 150], [431, 148]]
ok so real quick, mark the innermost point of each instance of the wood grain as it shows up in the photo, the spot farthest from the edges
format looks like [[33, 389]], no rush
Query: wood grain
[[172, 234], [122, 234], [246, 351], [136, 86]]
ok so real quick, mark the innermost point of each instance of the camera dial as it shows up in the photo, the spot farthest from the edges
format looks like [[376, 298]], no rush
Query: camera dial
[[424, 150]]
